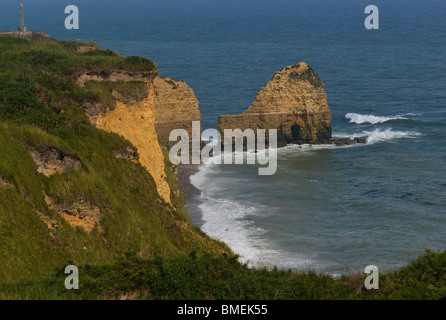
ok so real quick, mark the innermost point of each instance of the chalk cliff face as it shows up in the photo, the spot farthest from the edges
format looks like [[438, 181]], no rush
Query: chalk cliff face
[[169, 104], [293, 102], [135, 121], [176, 107]]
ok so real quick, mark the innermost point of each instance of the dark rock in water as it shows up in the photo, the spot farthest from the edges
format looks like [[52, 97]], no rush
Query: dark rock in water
[[348, 141]]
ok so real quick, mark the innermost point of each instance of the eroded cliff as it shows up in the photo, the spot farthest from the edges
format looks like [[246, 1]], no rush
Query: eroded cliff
[[176, 107], [135, 121], [131, 117]]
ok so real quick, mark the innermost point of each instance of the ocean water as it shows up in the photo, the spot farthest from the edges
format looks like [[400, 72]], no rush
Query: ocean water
[[326, 208]]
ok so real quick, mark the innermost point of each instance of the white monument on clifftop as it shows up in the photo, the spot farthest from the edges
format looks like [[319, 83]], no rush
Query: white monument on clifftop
[[23, 31], [22, 21]]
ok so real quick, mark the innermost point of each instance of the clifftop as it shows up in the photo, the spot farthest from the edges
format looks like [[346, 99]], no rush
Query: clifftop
[[110, 74], [29, 35]]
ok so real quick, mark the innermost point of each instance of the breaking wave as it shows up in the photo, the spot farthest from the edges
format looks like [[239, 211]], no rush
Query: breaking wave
[[379, 135], [360, 118], [226, 219]]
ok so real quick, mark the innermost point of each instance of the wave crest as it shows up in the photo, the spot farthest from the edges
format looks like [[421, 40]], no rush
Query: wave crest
[[379, 135], [361, 118]]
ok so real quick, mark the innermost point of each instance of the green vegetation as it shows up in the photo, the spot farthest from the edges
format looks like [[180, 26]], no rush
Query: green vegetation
[[144, 248], [106, 92], [209, 277], [37, 83], [41, 105]]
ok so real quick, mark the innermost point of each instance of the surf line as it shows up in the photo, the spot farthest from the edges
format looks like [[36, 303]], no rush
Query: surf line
[[247, 140]]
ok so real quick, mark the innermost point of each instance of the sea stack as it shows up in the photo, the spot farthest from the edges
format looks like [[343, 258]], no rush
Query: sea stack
[[293, 102]]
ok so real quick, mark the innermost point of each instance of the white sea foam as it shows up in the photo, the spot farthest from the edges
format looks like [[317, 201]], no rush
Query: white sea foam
[[361, 118], [303, 149], [226, 218], [225, 221], [379, 135]]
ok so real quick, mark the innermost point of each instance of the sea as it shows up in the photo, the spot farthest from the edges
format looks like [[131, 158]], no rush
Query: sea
[[327, 209]]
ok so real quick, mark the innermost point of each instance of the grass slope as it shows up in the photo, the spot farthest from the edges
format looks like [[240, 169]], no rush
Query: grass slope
[[209, 277], [40, 105]]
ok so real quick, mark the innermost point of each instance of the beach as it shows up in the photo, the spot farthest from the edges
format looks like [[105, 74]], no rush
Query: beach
[[190, 193]]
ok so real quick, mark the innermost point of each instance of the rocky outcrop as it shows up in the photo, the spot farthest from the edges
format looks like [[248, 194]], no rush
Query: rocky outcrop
[[340, 142], [82, 76], [176, 107], [82, 48], [78, 213], [129, 154], [293, 102], [51, 160]]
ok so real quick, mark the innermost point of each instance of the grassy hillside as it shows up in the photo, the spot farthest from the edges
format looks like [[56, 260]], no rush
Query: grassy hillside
[[224, 278], [40, 105]]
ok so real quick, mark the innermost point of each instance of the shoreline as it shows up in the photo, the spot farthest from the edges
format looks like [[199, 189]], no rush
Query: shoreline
[[191, 193]]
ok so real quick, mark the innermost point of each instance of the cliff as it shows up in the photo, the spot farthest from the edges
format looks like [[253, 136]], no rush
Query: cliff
[[132, 118], [143, 108], [293, 102], [83, 178], [176, 107], [136, 123]]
